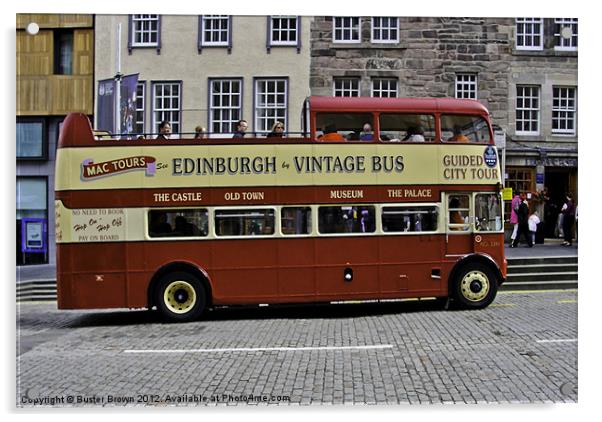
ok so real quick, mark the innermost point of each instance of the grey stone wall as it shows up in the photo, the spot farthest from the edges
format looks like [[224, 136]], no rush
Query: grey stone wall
[[432, 51]]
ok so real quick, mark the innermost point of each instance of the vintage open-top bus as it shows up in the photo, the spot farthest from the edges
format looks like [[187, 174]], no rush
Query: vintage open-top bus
[[351, 211]]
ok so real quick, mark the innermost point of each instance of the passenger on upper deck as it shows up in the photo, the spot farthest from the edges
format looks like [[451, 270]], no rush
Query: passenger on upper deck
[[277, 130], [458, 135], [414, 134], [200, 132], [366, 134], [331, 134], [241, 129], [164, 130]]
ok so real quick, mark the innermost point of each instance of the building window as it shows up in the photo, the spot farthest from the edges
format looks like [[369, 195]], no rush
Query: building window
[[215, 30], [140, 107], [225, 104], [346, 29], [529, 33], [270, 103], [520, 179], [346, 87], [166, 105], [466, 86], [63, 52], [283, 30], [385, 30], [32, 220], [564, 110], [527, 110], [384, 87], [565, 34], [145, 30], [31, 139]]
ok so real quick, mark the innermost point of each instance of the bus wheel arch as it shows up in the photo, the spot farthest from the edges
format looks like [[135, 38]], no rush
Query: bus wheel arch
[[474, 282], [183, 276]]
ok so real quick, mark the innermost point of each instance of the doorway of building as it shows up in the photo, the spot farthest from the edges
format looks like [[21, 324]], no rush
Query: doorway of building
[[557, 180]]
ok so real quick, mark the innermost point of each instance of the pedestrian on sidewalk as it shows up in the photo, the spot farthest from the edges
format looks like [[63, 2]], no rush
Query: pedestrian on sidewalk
[[514, 217], [523, 222], [568, 212], [533, 222]]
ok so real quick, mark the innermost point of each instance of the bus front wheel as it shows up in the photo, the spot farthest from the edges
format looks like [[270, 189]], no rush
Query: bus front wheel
[[180, 297], [474, 286]]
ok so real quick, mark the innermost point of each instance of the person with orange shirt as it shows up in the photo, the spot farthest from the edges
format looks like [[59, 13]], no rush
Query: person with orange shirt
[[331, 134]]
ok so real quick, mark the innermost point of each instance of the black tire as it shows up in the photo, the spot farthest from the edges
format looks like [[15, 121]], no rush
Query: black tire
[[180, 297], [474, 286]]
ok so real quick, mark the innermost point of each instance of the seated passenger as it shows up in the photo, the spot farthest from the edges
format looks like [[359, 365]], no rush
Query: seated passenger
[[458, 136], [184, 228], [366, 134], [331, 134], [414, 134], [159, 224]]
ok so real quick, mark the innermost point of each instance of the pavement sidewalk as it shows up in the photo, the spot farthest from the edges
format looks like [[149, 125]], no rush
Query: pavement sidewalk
[[551, 248]]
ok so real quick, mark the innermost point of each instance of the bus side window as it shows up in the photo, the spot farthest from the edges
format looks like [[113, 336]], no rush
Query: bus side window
[[178, 223], [244, 222], [464, 129], [346, 219], [409, 219], [458, 209], [295, 220], [488, 212]]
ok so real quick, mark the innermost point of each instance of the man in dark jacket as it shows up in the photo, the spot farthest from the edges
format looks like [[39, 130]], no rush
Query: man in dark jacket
[[523, 222]]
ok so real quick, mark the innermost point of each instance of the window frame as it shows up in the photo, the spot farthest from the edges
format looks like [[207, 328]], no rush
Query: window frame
[[258, 128], [559, 41], [176, 126], [381, 90], [374, 206], [353, 26], [311, 230], [567, 110], [276, 222], [531, 35], [132, 43], [500, 204], [211, 107], [140, 112], [458, 228], [201, 43], [147, 220], [382, 28], [351, 89], [58, 42], [44, 140], [270, 32], [461, 83], [434, 205], [528, 109]]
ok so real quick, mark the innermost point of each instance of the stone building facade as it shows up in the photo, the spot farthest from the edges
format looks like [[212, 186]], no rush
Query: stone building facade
[[504, 63], [209, 70]]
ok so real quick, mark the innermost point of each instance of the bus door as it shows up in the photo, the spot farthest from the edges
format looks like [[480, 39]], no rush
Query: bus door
[[488, 223], [458, 236]]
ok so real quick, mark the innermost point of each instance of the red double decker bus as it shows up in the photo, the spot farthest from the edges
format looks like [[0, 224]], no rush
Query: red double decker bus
[[382, 199]]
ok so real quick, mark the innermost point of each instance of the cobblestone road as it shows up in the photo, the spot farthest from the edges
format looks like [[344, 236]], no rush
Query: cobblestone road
[[522, 349]]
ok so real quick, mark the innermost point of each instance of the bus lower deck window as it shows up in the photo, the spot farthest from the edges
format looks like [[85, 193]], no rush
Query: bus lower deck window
[[347, 219]]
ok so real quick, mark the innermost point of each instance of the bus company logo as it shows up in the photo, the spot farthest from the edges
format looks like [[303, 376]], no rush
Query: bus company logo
[[92, 170], [490, 156]]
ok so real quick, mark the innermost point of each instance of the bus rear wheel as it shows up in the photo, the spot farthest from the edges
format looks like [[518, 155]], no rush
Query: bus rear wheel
[[475, 286], [180, 297]]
